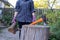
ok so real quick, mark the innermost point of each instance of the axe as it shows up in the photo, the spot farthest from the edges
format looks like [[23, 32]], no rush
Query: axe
[[42, 19]]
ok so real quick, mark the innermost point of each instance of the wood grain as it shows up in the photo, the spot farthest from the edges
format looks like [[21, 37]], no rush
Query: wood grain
[[34, 32]]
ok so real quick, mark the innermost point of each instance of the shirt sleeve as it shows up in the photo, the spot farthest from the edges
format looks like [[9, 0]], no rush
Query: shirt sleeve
[[17, 7], [32, 7]]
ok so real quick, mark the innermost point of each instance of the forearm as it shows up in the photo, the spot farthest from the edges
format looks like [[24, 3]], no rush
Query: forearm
[[34, 17], [15, 14], [33, 14]]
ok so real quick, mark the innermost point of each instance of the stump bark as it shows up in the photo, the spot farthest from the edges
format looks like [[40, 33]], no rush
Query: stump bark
[[34, 32]]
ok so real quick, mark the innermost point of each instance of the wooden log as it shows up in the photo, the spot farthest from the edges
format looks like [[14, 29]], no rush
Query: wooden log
[[34, 32]]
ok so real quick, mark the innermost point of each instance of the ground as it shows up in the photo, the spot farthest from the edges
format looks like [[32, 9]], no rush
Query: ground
[[5, 35]]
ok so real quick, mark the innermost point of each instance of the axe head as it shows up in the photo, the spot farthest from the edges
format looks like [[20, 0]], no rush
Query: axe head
[[44, 18]]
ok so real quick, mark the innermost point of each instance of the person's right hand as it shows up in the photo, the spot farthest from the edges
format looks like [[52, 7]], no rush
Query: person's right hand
[[13, 20]]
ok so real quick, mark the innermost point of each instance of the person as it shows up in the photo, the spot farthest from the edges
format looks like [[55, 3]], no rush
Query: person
[[24, 13]]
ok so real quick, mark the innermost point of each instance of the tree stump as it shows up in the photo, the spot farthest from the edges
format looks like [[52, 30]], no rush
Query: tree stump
[[34, 32]]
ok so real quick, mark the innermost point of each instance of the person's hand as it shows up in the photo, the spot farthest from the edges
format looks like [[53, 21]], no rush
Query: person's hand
[[13, 20], [34, 18]]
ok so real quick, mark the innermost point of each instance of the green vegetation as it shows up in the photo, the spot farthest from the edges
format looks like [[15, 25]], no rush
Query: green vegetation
[[54, 23], [7, 15], [53, 19], [52, 15]]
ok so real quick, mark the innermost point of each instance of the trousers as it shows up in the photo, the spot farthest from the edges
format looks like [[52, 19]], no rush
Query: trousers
[[20, 26]]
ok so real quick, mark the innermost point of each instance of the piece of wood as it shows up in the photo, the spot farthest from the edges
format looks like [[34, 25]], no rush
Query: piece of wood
[[34, 32], [12, 28]]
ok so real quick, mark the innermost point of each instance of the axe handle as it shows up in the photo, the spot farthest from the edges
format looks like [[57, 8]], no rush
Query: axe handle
[[37, 21]]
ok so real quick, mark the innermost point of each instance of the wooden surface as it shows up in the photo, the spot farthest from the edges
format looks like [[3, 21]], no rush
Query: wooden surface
[[34, 32]]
